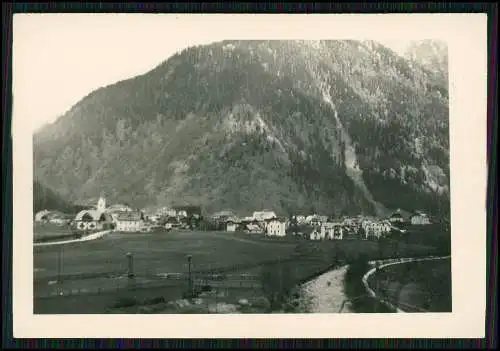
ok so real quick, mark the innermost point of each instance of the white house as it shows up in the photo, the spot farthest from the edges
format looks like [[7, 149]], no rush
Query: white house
[[263, 215], [118, 208], [231, 226], [129, 222], [182, 214], [309, 218], [276, 227], [332, 230], [376, 229], [301, 219], [167, 212], [315, 235], [420, 219]]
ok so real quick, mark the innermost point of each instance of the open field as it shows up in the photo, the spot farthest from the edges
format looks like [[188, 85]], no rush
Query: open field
[[98, 267], [154, 253], [424, 285], [43, 230]]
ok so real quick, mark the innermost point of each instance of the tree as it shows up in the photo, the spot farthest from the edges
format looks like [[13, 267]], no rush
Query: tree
[[277, 284]]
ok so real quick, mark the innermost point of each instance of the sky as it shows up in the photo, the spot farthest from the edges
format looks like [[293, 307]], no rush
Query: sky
[[60, 58]]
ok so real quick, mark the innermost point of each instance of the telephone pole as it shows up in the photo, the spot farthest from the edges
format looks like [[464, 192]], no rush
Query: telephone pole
[[190, 282], [59, 264]]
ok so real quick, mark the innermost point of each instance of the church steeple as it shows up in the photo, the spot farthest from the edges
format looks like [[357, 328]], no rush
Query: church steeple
[[101, 204]]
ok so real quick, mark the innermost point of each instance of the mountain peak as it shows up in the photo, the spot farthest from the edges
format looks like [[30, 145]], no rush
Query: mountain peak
[[321, 126]]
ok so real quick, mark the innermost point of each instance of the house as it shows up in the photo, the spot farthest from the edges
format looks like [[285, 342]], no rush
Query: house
[[276, 227], [300, 219], [315, 235], [59, 218], [167, 212], [153, 218], [222, 215], [252, 228], [263, 215], [396, 218], [171, 222], [376, 229], [332, 231], [41, 216], [420, 218], [118, 208], [92, 220], [322, 219], [182, 214], [129, 221], [309, 219], [231, 226]]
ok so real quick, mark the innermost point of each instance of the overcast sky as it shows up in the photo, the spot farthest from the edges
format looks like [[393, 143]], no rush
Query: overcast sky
[[60, 58]]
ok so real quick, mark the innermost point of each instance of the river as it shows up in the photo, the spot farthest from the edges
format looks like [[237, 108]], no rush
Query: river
[[325, 293]]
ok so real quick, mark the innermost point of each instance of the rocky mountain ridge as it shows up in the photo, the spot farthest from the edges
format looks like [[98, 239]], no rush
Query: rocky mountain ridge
[[297, 126]]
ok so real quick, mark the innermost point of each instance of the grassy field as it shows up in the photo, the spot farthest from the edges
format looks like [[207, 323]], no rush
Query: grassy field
[[42, 230], [425, 285], [167, 252], [155, 253]]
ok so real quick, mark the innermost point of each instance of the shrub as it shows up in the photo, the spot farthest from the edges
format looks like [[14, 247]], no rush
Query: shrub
[[154, 300], [125, 302]]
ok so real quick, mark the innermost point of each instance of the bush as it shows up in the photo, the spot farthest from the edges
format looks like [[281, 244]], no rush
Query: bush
[[125, 302], [154, 301], [277, 284]]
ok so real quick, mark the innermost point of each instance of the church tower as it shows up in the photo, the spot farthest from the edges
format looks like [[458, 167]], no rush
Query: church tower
[[101, 204]]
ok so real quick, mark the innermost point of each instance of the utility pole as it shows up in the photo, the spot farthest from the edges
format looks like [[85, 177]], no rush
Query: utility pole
[[130, 262], [59, 264], [190, 283]]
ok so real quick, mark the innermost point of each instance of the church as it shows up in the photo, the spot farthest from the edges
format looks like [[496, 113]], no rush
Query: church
[[94, 219]]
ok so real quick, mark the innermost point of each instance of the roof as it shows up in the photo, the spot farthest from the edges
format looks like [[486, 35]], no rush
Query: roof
[[276, 219], [59, 215], [128, 216], [95, 214], [118, 207], [225, 213], [41, 214]]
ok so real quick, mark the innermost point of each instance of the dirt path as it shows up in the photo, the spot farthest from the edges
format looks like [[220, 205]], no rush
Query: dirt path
[[325, 294]]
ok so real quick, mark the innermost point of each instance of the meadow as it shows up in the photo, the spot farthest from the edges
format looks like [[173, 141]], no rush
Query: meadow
[[50, 231], [102, 264]]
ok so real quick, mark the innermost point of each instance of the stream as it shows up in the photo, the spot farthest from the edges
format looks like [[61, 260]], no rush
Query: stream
[[325, 294]]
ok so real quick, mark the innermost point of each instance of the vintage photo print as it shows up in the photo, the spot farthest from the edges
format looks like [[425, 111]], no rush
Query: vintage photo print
[[250, 175]]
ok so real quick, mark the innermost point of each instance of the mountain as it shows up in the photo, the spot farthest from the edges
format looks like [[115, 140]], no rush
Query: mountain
[[296, 126], [432, 54], [47, 199]]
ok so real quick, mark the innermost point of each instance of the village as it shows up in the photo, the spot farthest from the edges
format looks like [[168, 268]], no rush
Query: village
[[125, 219]]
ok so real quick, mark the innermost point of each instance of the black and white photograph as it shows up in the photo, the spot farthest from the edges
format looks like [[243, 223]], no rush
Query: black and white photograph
[[216, 174]]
